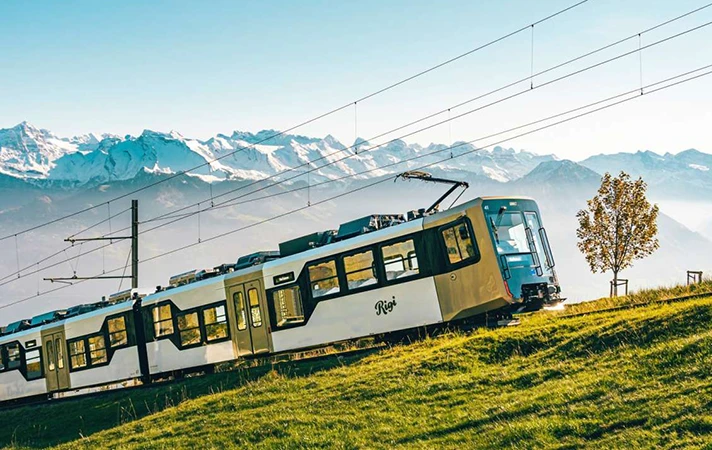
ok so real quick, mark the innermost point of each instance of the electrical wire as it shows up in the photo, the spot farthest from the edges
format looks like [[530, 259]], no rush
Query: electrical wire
[[171, 215], [175, 219], [348, 192], [306, 122], [355, 146], [59, 252]]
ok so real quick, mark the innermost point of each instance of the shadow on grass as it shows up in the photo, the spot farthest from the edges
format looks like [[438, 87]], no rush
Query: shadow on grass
[[60, 421]]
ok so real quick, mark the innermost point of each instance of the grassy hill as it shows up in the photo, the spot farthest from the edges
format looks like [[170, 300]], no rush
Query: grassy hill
[[633, 378]]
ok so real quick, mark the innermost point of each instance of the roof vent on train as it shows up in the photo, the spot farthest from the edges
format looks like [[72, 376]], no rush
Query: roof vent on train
[[256, 258], [194, 275], [17, 326], [304, 243], [183, 278], [83, 309], [48, 317], [124, 295], [367, 224]]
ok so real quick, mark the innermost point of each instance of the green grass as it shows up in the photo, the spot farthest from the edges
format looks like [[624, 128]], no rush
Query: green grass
[[637, 378]]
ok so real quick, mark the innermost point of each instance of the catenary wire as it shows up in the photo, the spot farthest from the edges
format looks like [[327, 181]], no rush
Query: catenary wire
[[369, 185], [59, 252], [175, 218], [214, 205], [171, 214], [306, 122], [261, 222], [232, 203]]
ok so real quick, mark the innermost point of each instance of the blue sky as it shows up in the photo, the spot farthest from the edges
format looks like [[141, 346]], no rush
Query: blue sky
[[203, 68]]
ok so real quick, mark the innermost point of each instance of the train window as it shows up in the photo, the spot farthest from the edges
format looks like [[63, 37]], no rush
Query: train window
[[288, 305], [77, 354], [33, 364], [117, 332], [60, 353], [360, 270], [323, 278], [215, 323], [239, 300], [458, 243], [509, 231], [255, 312], [13, 356], [400, 260], [162, 320], [189, 329], [97, 350], [50, 355], [2, 360]]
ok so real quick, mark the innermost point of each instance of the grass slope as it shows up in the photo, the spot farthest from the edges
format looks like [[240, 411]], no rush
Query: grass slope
[[635, 378]]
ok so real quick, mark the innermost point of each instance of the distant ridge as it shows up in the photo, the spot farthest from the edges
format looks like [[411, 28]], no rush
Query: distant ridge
[[38, 155]]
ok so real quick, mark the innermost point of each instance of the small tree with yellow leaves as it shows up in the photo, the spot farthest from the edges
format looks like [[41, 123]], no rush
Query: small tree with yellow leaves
[[618, 227]]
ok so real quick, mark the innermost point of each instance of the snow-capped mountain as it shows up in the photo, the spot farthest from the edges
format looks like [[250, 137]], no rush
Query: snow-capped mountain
[[31, 153], [686, 173]]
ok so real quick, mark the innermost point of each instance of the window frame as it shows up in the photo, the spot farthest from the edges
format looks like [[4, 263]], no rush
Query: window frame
[[18, 362], [424, 244], [179, 332], [474, 259], [258, 306], [40, 361], [224, 322], [174, 324], [392, 242], [273, 307], [90, 352], [72, 367], [108, 349], [175, 337], [338, 264], [110, 333], [3, 365], [240, 312], [374, 268]]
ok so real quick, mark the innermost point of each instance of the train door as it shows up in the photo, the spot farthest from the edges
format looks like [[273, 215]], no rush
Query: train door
[[55, 360], [251, 330]]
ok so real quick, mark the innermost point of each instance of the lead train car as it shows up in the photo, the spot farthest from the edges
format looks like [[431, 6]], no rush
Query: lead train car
[[488, 254]]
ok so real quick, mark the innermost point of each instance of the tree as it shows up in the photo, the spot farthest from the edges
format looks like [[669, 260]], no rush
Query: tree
[[618, 227]]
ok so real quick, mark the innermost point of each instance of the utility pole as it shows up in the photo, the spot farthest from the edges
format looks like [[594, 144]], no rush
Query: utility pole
[[134, 244], [134, 253]]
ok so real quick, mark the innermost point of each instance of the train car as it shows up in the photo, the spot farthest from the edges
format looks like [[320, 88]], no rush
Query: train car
[[186, 326], [100, 346], [376, 275], [75, 350], [21, 371], [445, 267]]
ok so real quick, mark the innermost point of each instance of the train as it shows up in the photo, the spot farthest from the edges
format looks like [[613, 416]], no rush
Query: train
[[376, 275]]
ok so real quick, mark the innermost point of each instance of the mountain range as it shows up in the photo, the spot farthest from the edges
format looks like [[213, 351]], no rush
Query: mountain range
[[39, 156]]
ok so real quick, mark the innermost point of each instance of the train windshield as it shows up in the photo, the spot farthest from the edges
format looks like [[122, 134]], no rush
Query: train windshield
[[520, 236], [509, 231]]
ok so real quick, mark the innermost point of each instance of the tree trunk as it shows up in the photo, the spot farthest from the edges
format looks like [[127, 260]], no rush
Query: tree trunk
[[615, 284]]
